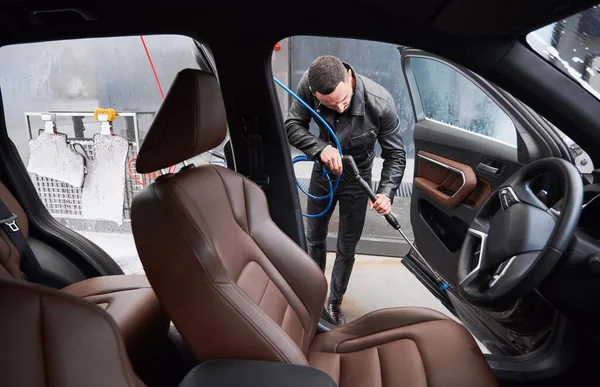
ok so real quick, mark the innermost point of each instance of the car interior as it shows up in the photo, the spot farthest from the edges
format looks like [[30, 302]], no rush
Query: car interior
[[231, 298]]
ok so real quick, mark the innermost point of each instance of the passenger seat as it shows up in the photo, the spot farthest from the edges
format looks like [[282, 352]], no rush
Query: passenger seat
[[129, 299], [50, 338], [53, 339]]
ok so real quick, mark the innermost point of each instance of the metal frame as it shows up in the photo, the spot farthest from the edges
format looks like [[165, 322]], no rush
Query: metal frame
[[496, 277], [135, 115], [55, 194], [483, 236]]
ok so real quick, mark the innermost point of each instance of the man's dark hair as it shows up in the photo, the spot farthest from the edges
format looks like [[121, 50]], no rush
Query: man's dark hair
[[325, 74]]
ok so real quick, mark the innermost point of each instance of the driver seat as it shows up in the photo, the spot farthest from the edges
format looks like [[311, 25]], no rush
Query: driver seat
[[236, 286]]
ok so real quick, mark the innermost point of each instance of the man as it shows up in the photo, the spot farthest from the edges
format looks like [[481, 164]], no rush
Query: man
[[359, 111]]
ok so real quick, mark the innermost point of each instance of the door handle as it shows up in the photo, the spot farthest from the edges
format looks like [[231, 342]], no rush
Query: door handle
[[487, 168]]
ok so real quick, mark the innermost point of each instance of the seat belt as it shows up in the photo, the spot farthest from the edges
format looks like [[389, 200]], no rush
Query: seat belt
[[29, 264], [255, 153]]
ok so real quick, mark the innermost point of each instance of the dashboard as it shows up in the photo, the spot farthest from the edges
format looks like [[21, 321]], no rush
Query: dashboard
[[574, 286], [590, 214]]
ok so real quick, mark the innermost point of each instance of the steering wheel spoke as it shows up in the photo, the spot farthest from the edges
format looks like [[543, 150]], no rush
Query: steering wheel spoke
[[519, 193], [473, 282], [510, 272]]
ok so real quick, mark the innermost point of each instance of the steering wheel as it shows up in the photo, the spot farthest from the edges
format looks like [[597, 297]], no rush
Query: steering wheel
[[520, 238]]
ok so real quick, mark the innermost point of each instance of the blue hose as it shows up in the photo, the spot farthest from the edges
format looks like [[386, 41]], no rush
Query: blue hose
[[332, 187]]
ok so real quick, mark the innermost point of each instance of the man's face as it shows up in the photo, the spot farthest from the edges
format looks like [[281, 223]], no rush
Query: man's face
[[339, 100]]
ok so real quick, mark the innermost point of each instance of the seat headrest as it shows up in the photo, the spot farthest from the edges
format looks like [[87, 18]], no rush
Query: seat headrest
[[190, 121]]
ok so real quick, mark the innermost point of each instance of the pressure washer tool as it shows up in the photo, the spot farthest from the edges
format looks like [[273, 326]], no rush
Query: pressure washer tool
[[350, 165]]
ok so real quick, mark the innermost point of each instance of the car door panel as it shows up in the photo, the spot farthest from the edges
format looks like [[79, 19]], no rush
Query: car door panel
[[455, 169], [440, 221], [444, 180], [470, 127]]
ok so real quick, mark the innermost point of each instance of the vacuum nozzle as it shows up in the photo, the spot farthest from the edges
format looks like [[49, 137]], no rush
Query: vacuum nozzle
[[350, 165]]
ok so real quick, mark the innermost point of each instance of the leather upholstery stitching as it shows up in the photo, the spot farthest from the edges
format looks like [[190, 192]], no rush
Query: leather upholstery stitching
[[249, 232], [384, 330], [422, 360], [253, 325], [380, 365], [340, 356], [311, 317], [112, 292], [269, 282], [251, 322], [441, 316], [312, 327], [288, 307], [339, 375], [302, 337], [215, 285], [197, 229], [117, 337], [114, 329], [43, 339], [244, 270], [245, 204], [231, 201], [380, 331]]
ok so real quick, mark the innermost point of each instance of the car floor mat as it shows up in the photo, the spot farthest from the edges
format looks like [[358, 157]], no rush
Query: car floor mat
[[104, 189], [51, 156]]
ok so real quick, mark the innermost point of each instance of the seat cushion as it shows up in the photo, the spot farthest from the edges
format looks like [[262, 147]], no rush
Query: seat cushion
[[401, 347], [131, 302]]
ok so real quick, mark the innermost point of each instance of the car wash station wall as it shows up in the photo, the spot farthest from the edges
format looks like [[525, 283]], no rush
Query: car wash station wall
[[377, 61], [71, 79]]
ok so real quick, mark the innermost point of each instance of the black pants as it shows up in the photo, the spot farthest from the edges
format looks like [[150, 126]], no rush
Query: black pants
[[353, 209]]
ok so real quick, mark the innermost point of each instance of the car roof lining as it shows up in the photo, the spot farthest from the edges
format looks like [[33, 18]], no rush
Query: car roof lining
[[488, 48], [499, 18]]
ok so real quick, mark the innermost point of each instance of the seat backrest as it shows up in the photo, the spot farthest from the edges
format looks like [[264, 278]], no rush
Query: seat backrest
[[10, 259], [48, 338], [232, 282]]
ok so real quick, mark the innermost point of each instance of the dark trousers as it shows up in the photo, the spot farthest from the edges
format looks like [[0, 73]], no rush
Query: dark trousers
[[353, 208]]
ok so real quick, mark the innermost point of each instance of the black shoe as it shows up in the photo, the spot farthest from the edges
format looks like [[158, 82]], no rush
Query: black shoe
[[335, 311]]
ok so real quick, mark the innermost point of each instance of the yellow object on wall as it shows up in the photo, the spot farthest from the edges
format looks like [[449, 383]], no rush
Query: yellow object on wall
[[110, 113]]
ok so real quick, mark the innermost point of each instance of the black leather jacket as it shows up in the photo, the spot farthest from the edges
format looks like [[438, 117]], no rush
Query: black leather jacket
[[371, 116]]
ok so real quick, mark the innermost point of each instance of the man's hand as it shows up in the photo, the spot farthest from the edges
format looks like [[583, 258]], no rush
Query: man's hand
[[383, 205], [331, 157]]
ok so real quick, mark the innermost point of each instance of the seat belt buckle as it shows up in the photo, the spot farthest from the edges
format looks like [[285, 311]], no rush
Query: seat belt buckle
[[11, 223]]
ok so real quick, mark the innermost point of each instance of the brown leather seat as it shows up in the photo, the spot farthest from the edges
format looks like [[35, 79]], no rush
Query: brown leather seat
[[237, 287], [130, 300], [49, 338]]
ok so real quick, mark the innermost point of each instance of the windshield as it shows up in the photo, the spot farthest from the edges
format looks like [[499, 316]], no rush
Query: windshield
[[573, 46]]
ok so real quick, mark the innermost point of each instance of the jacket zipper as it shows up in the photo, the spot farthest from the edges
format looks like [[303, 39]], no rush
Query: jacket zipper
[[363, 135]]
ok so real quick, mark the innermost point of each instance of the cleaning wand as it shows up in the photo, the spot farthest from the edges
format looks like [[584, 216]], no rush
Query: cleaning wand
[[350, 165]]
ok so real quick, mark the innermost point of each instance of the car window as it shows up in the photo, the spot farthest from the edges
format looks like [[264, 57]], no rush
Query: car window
[[56, 88], [449, 97], [573, 46]]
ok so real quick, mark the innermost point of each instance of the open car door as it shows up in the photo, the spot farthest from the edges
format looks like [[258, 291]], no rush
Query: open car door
[[469, 137]]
